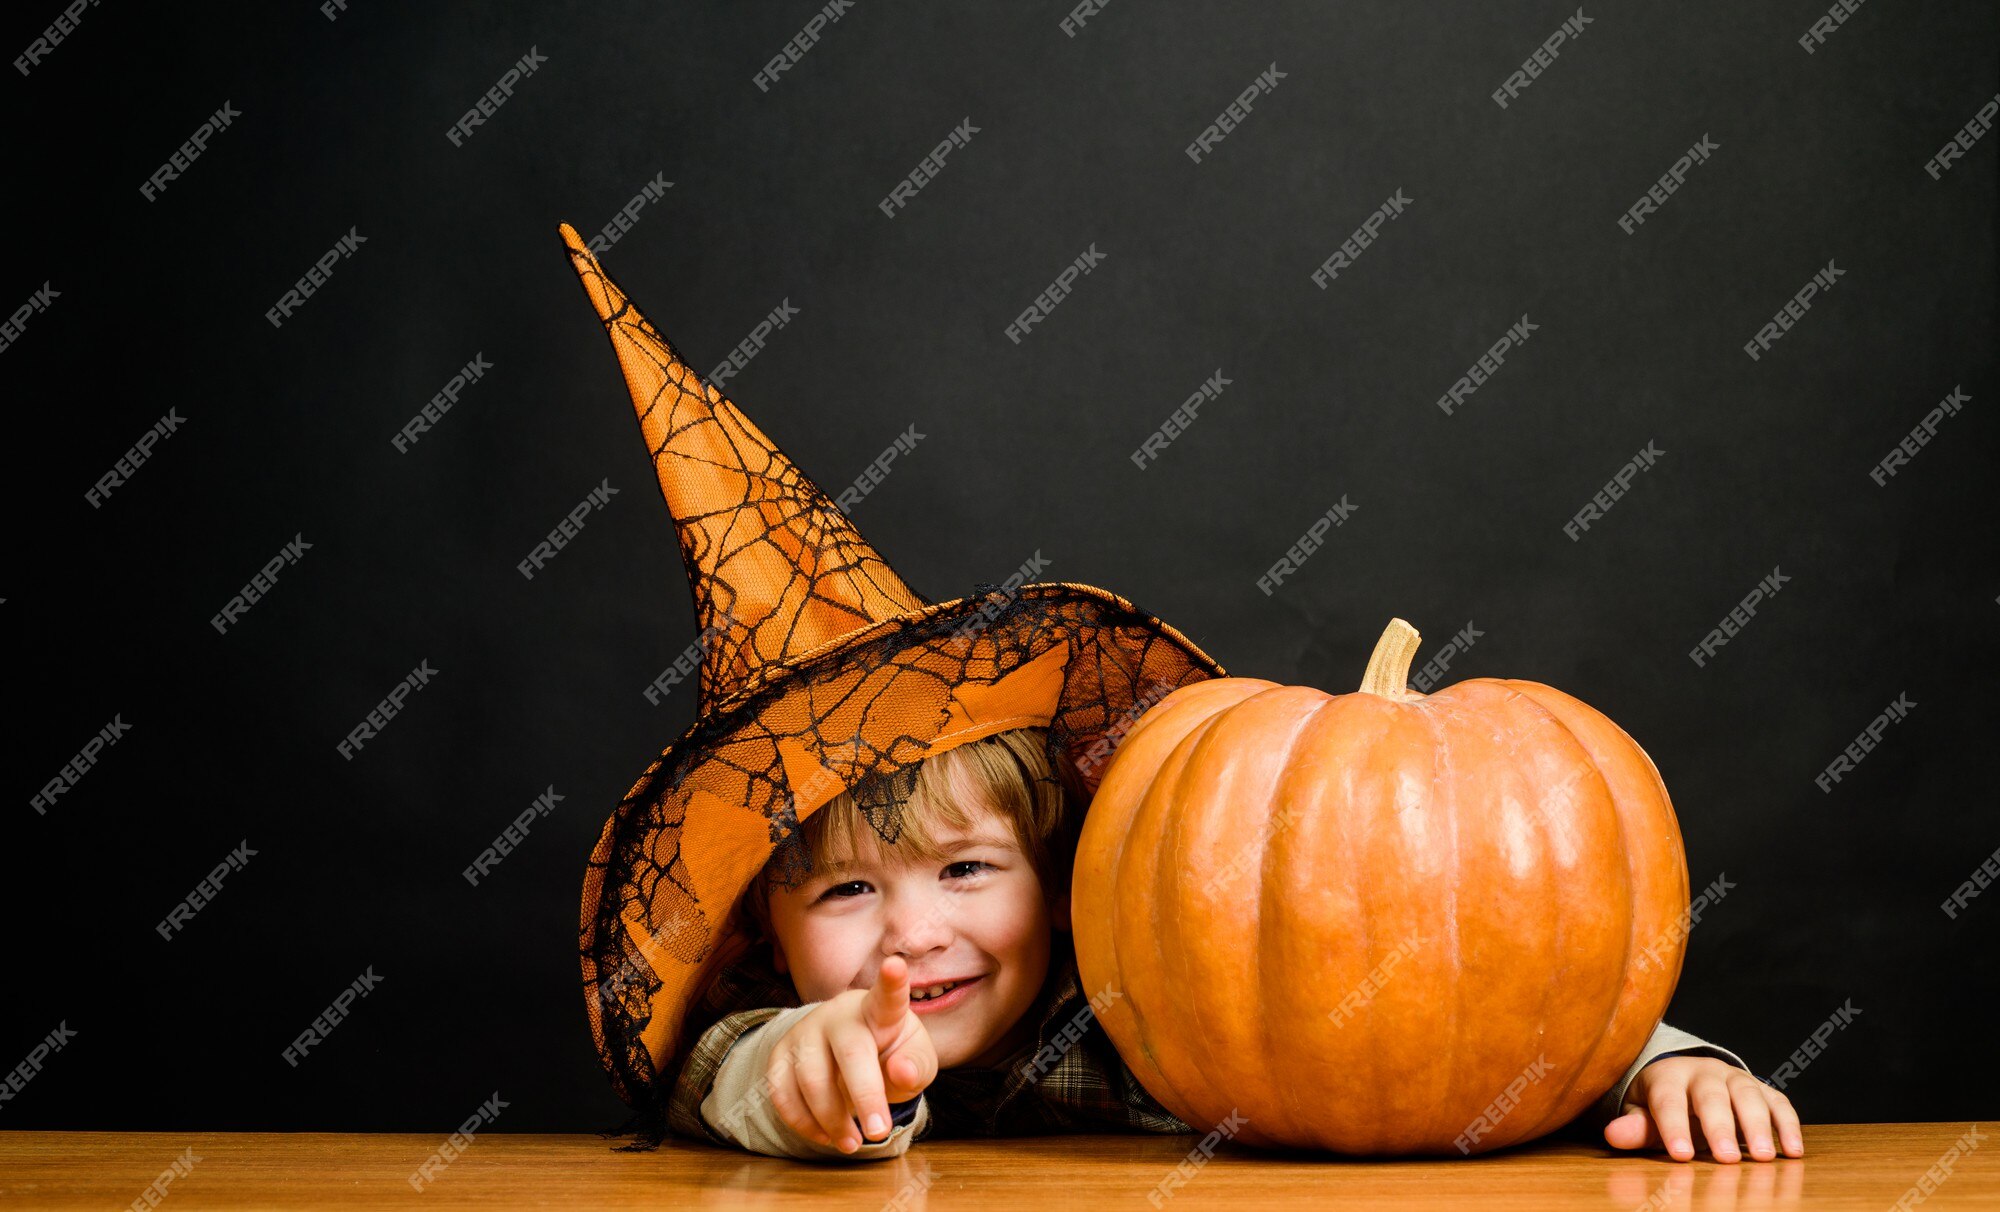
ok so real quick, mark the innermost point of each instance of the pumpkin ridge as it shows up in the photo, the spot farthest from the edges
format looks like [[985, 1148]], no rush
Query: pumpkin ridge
[[1266, 845], [1588, 759], [1624, 835], [1357, 841], [1185, 711], [1191, 767], [1170, 878], [1441, 766], [1659, 787], [1162, 858]]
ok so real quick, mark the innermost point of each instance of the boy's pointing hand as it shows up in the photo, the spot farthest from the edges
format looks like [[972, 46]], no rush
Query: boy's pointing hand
[[837, 1070]]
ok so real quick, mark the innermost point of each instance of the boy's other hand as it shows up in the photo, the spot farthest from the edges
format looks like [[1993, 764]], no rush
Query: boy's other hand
[[837, 1070], [1726, 1100]]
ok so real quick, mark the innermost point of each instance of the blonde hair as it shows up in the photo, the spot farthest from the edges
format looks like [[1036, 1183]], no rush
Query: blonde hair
[[1007, 772]]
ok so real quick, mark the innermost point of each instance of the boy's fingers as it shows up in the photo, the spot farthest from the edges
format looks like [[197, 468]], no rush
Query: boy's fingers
[[1631, 1130], [1710, 1096], [1753, 1115], [823, 1093], [1668, 1103], [789, 1101], [861, 1075], [888, 1000], [1789, 1133], [911, 1065], [1627, 1131]]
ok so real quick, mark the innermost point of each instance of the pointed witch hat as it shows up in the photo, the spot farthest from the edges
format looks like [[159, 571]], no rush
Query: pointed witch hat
[[821, 672]]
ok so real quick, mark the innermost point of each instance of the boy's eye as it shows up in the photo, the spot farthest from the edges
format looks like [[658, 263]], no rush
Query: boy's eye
[[963, 869]]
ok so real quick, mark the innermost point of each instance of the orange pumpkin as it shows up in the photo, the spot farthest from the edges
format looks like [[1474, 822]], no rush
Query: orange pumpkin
[[1383, 922]]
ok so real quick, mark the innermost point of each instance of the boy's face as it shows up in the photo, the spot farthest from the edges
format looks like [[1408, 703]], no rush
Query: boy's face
[[978, 915]]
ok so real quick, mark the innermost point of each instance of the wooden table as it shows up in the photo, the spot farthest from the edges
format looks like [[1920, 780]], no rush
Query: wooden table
[[1858, 1166]]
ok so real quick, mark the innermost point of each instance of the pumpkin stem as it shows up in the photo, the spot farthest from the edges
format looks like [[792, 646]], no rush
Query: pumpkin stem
[[1389, 667]]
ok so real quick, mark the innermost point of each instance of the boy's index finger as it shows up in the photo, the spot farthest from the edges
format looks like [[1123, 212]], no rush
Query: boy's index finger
[[889, 997]]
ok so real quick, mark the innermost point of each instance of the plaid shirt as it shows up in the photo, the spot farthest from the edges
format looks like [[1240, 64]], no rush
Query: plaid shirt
[[1070, 1079]]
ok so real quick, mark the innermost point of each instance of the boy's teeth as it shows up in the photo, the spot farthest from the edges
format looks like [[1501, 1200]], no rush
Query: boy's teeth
[[932, 991]]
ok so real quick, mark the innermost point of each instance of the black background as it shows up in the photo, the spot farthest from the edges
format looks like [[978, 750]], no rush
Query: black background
[[287, 432]]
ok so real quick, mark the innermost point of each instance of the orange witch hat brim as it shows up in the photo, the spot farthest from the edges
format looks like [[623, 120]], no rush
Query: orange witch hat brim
[[822, 671]]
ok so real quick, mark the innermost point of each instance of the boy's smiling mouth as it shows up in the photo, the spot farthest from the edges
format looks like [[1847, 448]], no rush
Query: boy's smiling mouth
[[948, 994]]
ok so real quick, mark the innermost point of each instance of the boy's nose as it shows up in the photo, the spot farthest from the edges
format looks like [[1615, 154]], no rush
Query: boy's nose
[[916, 924]]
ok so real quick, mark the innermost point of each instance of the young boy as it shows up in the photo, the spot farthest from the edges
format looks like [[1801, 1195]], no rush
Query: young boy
[[928, 988]]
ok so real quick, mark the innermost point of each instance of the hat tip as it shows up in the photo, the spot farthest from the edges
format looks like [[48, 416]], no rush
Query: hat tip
[[584, 262]]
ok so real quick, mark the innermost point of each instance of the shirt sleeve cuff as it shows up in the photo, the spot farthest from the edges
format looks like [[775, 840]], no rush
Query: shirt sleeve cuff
[[1666, 1041]]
